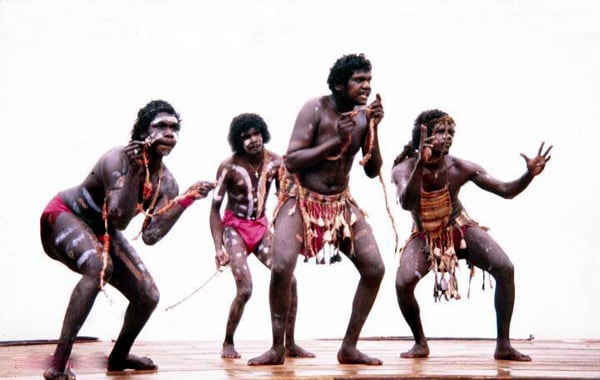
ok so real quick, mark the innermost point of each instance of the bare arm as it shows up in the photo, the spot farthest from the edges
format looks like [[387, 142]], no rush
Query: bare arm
[[170, 206], [407, 177], [510, 189], [216, 223], [302, 151]]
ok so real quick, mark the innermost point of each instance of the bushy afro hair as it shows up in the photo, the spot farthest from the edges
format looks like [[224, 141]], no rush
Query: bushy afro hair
[[240, 125]]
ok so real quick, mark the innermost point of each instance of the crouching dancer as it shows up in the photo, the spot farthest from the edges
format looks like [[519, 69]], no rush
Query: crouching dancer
[[81, 228], [428, 180]]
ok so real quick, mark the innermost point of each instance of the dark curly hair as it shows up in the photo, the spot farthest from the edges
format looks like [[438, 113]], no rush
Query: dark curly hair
[[428, 118], [344, 67], [146, 114], [240, 125]]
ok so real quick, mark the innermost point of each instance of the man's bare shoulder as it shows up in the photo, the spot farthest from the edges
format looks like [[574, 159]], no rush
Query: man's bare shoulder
[[113, 159], [226, 163], [273, 156], [318, 104], [461, 164]]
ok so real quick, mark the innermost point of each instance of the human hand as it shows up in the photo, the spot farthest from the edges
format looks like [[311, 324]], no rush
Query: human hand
[[200, 189], [425, 145], [537, 164], [375, 110], [345, 125], [135, 152], [221, 258]]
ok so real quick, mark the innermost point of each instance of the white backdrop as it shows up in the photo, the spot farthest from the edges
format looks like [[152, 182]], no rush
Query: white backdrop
[[512, 73]]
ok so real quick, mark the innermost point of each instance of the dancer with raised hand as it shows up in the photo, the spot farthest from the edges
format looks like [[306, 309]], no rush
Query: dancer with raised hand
[[428, 180]]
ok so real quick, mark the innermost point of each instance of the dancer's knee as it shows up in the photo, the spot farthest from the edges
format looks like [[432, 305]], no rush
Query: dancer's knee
[[504, 272], [244, 293], [406, 281], [148, 300], [375, 272], [95, 267]]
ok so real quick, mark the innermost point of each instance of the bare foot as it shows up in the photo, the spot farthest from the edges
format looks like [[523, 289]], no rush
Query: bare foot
[[295, 351], [131, 362], [417, 351], [272, 357], [509, 353], [54, 374], [354, 356], [229, 352]]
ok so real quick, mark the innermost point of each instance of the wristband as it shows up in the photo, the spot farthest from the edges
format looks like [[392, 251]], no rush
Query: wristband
[[186, 201]]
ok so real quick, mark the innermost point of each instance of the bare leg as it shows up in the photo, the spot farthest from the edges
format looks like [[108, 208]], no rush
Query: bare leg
[[284, 256], [486, 254], [293, 350], [69, 234], [234, 245], [81, 302], [413, 266], [132, 279], [370, 266]]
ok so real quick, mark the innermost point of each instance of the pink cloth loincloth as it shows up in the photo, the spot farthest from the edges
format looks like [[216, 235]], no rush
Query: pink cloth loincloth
[[251, 231]]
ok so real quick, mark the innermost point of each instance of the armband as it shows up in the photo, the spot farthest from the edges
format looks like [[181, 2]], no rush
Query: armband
[[186, 201]]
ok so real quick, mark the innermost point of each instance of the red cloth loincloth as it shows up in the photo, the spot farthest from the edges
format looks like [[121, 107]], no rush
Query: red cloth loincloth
[[53, 209], [251, 231]]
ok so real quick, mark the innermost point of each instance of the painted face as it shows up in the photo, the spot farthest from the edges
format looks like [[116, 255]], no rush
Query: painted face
[[252, 141], [163, 133], [359, 87], [442, 136]]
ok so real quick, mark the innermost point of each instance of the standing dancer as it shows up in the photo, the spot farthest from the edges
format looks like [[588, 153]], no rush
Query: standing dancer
[[246, 178], [315, 206]]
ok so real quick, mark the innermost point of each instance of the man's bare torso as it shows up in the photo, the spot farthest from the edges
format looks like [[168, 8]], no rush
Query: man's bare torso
[[330, 176], [242, 181]]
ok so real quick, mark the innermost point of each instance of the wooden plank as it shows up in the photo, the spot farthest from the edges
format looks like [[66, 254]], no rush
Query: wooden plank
[[450, 359]]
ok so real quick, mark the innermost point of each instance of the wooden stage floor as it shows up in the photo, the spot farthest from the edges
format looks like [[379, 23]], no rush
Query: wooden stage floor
[[450, 359]]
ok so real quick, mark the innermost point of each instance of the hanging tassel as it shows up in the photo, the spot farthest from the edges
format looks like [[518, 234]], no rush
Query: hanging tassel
[[471, 275]]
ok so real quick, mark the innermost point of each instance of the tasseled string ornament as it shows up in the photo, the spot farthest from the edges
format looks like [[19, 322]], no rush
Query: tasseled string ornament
[[346, 144], [105, 244], [147, 193], [308, 231], [147, 190]]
